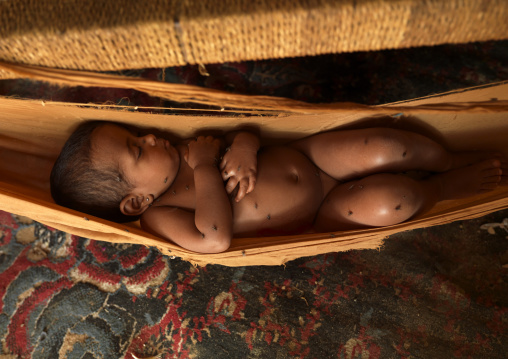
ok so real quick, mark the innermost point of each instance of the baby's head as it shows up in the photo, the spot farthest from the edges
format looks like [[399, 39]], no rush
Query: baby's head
[[107, 171]]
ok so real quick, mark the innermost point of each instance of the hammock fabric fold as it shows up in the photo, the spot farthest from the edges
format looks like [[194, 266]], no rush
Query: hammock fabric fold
[[32, 133]]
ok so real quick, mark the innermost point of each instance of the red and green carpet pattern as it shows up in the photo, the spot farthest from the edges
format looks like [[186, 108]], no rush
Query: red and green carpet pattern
[[435, 293]]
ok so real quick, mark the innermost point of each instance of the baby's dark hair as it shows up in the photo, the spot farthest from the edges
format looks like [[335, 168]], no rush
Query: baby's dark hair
[[78, 184]]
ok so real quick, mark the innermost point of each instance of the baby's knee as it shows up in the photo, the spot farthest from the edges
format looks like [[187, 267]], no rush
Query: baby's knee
[[374, 201], [393, 199], [386, 145]]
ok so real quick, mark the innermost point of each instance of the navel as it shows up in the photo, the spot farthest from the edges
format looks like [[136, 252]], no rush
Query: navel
[[294, 175]]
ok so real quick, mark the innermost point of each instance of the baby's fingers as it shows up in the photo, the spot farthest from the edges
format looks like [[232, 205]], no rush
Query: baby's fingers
[[226, 174], [223, 163], [242, 190], [252, 183], [230, 186]]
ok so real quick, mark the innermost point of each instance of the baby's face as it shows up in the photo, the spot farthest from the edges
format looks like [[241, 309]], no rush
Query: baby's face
[[149, 163]]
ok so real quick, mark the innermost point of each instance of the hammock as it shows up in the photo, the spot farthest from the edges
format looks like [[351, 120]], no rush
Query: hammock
[[32, 133]]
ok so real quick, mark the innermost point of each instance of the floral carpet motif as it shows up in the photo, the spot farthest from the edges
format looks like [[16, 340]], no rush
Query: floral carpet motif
[[434, 293], [439, 292]]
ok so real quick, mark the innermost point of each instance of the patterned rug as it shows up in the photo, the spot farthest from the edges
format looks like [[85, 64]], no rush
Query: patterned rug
[[438, 292]]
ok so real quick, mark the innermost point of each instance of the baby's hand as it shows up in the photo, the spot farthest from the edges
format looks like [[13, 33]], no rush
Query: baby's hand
[[239, 167], [202, 151]]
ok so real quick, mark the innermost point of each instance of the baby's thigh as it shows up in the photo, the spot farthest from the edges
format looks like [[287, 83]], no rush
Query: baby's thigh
[[356, 153], [373, 201]]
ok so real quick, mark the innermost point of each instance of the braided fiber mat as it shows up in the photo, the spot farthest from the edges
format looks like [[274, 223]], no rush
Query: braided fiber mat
[[74, 34], [438, 292]]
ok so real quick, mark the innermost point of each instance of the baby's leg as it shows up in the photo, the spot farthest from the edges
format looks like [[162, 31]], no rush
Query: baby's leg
[[386, 199], [358, 153]]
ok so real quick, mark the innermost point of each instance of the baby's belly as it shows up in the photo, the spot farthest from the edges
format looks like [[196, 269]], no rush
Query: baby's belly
[[287, 195]]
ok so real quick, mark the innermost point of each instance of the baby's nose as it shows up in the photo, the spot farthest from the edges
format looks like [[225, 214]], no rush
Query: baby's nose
[[150, 140]]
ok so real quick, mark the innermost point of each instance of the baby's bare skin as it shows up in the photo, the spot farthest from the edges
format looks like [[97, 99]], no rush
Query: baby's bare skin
[[288, 192], [373, 195], [330, 181]]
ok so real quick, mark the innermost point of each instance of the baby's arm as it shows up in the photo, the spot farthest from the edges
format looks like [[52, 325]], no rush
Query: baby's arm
[[213, 216], [239, 164], [210, 228]]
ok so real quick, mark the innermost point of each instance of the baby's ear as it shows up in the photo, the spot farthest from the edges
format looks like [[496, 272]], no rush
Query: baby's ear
[[135, 205]]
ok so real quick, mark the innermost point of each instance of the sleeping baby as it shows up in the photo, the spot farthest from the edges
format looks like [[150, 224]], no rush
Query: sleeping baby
[[201, 193]]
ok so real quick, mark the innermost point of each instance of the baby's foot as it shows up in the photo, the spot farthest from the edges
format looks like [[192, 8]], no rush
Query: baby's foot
[[463, 159], [468, 181]]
